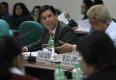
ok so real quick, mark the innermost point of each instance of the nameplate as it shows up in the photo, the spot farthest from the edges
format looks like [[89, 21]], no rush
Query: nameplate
[[69, 60], [43, 56]]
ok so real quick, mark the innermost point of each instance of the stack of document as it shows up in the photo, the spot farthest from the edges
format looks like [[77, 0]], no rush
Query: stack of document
[[62, 18], [83, 25]]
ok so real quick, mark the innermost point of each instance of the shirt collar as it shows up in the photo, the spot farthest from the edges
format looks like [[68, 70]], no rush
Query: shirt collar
[[109, 27], [54, 30], [17, 71]]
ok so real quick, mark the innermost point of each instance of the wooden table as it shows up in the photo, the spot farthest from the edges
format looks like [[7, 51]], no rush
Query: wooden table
[[44, 71]]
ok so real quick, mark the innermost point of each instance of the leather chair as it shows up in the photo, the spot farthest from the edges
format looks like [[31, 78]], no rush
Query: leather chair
[[4, 29], [29, 32]]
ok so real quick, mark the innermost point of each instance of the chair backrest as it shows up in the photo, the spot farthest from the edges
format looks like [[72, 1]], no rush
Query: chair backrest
[[4, 28], [29, 32]]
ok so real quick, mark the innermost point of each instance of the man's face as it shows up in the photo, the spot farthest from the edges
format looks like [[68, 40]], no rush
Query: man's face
[[48, 19], [97, 25], [36, 12], [18, 10], [4, 9]]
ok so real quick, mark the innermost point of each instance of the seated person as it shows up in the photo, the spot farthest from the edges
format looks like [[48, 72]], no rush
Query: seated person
[[98, 57], [5, 11], [51, 24], [11, 60], [100, 20], [20, 14], [35, 13], [71, 23], [86, 4], [65, 18]]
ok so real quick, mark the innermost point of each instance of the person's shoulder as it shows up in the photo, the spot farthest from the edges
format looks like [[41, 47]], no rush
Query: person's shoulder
[[105, 74], [63, 25]]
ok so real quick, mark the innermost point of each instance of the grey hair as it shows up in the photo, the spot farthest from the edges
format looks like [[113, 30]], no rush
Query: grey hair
[[99, 13]]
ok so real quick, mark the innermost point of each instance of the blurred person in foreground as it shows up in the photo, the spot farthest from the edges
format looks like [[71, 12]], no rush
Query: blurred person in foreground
[[11, 60], [98, 57]]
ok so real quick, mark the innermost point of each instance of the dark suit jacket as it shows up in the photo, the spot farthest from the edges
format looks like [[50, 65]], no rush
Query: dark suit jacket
[[72, 23], [105, 74], [63, 33]]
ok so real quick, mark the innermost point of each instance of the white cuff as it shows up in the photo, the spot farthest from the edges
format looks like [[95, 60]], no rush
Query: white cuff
[[74, 48], [25, 48]]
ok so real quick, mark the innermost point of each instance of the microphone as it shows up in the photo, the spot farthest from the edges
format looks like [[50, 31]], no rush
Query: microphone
[[31, 59]]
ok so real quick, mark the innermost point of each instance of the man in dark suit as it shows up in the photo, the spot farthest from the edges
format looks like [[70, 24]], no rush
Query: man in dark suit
[[61, 31]]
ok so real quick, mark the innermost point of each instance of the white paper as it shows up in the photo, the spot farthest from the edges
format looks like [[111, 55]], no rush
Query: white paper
[[62, 18], [83, 25], [69, 59], [32, 53]]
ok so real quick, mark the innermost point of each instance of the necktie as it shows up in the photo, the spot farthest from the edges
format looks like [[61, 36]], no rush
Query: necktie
[[51, 34]]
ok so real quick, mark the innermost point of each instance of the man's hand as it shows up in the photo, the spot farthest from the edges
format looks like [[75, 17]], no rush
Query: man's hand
[[66, 47], [24, 49]]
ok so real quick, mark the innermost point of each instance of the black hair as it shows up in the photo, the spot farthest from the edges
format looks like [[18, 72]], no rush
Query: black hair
[[38, 7], [23, 7], [9, 50], [4, 3], [90, 3], [97, 49], [45, 8]]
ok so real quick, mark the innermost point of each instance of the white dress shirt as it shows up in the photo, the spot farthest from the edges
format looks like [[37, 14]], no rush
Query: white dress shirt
[[17, 71], [111, 31]]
